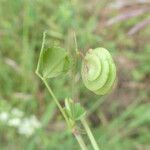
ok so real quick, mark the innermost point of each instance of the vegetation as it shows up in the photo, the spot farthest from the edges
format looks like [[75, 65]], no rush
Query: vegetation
[[29, 118]]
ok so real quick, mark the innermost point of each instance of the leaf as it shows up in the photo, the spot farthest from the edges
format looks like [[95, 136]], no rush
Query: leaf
[[74, 110], [54, 61]]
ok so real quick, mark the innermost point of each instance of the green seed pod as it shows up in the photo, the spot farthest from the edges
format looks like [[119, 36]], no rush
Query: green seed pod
[[98, 71]]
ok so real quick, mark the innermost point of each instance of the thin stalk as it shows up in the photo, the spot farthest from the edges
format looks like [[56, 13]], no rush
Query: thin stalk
[[90, 135], [76, 45], [41, 52], [80, 141], [56, 101]]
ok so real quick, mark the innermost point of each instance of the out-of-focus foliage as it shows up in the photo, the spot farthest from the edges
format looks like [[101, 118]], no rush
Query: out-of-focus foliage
[[29, 119]]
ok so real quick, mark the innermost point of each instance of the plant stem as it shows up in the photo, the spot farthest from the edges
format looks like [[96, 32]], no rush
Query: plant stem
[[80, 141], [56, 100], [90, 135], [42, 49]]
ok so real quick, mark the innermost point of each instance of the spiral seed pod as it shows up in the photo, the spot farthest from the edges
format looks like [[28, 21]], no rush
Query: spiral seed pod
[[98, 71]]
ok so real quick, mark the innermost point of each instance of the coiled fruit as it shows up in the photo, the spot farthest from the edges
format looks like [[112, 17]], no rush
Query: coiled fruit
[[98, 71]]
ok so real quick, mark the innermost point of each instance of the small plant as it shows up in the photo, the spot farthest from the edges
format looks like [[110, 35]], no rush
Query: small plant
[[98, 74]]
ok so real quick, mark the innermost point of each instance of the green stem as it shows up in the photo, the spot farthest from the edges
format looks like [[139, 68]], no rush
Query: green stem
[[80, 141], [56, 101], [41, 52], [90, 135]]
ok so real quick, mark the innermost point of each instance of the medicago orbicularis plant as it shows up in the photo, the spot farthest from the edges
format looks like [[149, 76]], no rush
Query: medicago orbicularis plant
[[98, 74], [98, 71]]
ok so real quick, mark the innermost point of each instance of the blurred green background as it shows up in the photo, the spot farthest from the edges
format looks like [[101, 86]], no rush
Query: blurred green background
[[29, 119]]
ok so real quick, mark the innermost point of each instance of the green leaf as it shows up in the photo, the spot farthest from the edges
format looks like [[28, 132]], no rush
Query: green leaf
[[54, 61], [74, 110]]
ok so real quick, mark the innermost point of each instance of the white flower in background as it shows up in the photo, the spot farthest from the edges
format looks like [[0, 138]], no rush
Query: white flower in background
[[15, 118], [26, 129], [14, 122], [28, 126], [16, 112], [34, 121], [4, 116]]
